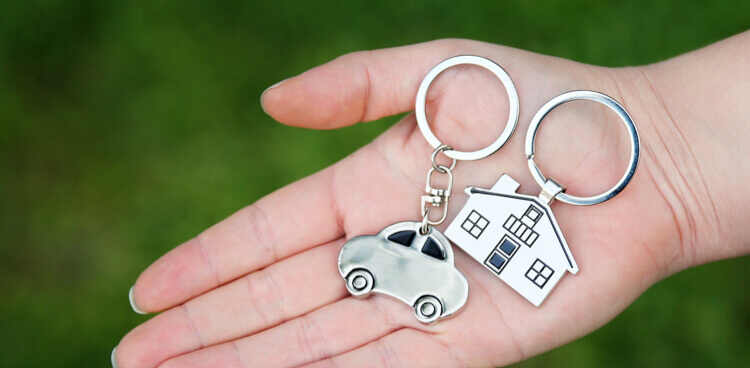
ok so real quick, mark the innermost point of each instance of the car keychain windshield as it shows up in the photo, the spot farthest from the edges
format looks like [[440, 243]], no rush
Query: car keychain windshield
[[413, 261], [516, 236]]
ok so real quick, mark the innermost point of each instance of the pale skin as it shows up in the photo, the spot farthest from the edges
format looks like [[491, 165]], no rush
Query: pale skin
[[262, 289]]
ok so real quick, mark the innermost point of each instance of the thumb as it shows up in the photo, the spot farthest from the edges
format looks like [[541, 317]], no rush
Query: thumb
[[361, 86]]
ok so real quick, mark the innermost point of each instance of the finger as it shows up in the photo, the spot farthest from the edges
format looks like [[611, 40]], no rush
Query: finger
[[332, 330], [360, 86], [285, 222], [403, 348], [245, 306]]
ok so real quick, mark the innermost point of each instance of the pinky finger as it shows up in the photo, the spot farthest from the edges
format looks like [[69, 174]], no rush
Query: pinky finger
[[404, 348]]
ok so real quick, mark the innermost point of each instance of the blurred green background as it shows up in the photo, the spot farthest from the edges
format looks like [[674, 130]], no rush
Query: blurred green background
[[130, 126]]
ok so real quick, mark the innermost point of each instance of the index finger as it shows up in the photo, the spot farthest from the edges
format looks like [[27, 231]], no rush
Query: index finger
[[290, 220]]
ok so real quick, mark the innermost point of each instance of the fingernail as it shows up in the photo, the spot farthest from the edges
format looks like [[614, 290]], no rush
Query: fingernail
[[131, 296], [114, 361], [268, 89]]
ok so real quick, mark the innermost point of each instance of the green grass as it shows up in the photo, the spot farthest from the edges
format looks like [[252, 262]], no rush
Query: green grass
[[129, 127]]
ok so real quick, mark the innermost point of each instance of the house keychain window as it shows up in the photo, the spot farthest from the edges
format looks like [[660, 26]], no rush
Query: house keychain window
[[522, 243], [412, 261]]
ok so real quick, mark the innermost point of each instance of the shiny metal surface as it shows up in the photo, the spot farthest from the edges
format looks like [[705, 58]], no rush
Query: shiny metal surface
[[614, 106], [550, 190], [510, 88], [515, 236], [405, 273], [435, 197], [435, 164], [428, 309], [359, 282]]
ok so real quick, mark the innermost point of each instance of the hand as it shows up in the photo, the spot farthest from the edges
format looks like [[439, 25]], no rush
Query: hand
[[262, 287]]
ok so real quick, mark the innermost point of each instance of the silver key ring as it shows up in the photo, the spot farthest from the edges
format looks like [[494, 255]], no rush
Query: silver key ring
[[614, 106], [512, 115]]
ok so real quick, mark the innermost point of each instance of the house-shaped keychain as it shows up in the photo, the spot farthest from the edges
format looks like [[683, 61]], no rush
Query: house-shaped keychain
[[515, 236]]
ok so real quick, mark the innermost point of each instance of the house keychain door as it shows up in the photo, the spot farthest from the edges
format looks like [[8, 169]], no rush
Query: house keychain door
[[413, 261], [516, 236]]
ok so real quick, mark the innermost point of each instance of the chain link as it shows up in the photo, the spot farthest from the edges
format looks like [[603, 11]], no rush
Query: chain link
[[435, 165]]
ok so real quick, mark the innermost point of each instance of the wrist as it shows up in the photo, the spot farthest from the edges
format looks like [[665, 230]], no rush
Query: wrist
[[694, 138]]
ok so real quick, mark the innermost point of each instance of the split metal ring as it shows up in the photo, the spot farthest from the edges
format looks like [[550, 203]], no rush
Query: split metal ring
[[441, 168], [510, 88], [614, 106]]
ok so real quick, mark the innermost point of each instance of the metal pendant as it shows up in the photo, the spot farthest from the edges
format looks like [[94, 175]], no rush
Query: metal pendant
[[401, 262], [515, 236]]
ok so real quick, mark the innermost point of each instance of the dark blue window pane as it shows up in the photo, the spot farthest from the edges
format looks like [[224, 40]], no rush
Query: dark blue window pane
[[497, 260], [507, 246], [431, 249], [403, 237]]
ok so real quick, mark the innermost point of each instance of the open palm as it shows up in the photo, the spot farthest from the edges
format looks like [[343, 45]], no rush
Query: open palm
[[262, 287]]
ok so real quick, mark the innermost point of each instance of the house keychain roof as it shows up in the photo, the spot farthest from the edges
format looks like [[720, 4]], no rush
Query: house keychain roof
[[515, 236]]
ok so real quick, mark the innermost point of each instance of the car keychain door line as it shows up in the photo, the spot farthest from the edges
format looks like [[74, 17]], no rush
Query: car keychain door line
[[413, 261], [516, 236]]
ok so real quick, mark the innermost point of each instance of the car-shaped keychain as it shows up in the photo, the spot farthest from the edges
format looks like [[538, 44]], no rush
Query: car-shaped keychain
[[416, 268]]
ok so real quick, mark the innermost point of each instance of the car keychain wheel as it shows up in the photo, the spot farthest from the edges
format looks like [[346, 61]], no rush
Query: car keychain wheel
[[428, 309], [360, 282]]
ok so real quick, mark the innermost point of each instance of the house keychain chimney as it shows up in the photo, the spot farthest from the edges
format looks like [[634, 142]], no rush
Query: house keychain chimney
[[516, 236], [412, 261]]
